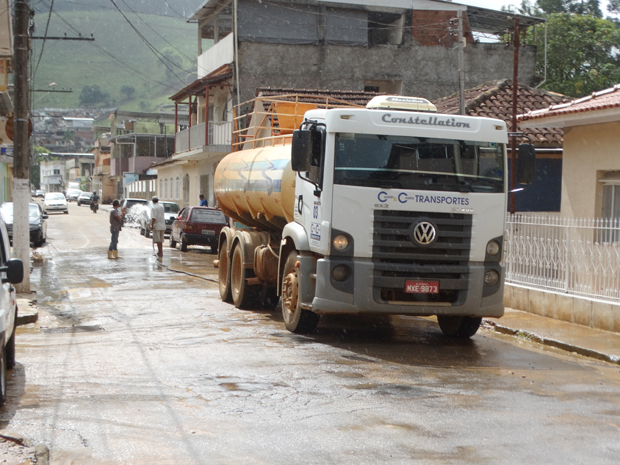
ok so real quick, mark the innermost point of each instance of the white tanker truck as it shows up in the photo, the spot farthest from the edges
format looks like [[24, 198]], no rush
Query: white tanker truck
[[388, 209]]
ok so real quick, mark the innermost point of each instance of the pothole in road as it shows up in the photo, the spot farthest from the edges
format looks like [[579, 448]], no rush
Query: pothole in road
[[73, 329]]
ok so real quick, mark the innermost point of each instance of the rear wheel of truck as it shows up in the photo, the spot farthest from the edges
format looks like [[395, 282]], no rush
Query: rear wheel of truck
[[295, 318], [459, 326], [223, 273], [243, 295]]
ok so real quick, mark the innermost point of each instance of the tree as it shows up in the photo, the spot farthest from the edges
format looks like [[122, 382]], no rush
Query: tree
[[580, 7], [582, 54], [35, 165], [128, 91], [93, 95]]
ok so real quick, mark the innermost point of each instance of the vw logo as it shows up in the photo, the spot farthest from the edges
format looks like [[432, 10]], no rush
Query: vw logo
[[424, 233]]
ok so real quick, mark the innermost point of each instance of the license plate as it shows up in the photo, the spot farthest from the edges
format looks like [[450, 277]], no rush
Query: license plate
[[208, 232], [422, 287]]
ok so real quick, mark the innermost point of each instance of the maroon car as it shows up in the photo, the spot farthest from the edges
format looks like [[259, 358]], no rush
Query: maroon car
[[197, 226]]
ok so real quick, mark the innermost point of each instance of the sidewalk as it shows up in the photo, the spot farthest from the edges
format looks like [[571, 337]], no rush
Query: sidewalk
[[591, 342]]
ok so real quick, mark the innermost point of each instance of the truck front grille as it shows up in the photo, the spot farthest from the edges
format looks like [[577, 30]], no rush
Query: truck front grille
[[397, 259]]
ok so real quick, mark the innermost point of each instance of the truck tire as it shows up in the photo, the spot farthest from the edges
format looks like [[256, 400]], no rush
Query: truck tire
[[10, 346], [141, 231], [223, 273], [244, 296], [147, 233], [295, 318], [459, 326]]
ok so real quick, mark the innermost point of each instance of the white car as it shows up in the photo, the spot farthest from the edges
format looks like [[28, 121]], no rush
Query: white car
[[73, 194], [171, 211], [11, 272], [55, 202]]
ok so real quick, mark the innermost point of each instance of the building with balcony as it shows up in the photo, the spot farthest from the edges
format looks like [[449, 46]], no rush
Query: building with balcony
[[134, 141], [406, 47]]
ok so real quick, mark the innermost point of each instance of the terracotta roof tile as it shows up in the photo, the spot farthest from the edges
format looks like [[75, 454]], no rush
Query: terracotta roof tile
[[494, 100], [604, 99]]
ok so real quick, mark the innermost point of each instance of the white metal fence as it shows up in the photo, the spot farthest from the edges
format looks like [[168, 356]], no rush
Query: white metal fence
[[575, 256]]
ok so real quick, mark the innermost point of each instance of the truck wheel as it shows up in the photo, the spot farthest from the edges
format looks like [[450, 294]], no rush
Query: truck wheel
[[2, 375], [243, 295], [147, 233], [223, 273], [183, 243], [10, 346], [295, 318], [141, 231], [459, 326]]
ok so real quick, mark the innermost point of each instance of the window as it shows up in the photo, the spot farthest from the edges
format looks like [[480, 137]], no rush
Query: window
[[385, 28], [56, 171], [166, 188], [161, 187], [178, 196]]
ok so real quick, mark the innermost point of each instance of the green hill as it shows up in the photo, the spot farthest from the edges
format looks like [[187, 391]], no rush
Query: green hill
[[118, 59]]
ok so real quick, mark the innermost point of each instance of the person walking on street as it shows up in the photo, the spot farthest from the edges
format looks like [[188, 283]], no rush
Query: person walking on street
[[116, 224], [203, 201], [158, 225]]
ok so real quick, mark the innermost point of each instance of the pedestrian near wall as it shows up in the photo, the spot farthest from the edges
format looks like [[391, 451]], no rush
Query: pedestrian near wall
[[203, 201], [158, 225], [116, 224]]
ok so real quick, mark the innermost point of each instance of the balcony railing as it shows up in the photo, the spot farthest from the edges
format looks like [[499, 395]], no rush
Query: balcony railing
[[220, 136], [217, 56]]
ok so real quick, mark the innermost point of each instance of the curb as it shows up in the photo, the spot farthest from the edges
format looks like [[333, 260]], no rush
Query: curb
[[26, 311], [553, 342]]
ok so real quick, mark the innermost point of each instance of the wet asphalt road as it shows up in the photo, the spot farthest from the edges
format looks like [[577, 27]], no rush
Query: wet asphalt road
[[132, 363]]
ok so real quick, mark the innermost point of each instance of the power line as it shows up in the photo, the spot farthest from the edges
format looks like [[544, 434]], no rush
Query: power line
[[158, 54]]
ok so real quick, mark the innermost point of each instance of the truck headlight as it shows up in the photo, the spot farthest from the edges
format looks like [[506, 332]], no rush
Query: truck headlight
[[493, 248], [491, 278], [340, 242]]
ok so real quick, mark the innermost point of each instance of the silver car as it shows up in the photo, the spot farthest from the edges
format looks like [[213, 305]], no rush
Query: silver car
[[55, 202]]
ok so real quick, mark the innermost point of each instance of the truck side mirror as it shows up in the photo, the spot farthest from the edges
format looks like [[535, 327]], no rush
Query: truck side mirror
[[526, 167], [301, 151], [14, 271]]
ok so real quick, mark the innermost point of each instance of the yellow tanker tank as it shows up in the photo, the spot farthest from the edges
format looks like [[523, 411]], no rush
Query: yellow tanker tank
[[256, 187]]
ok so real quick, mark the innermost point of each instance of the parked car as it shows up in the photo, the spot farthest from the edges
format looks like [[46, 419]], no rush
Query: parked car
[[39, 193], [133, 212], [55, 202], [73, 194], [11, 272], [85, 198], [171, 210], [198, 226], [36, 218]]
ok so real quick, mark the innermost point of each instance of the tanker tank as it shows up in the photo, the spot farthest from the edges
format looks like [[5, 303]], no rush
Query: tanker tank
[[256, 187]]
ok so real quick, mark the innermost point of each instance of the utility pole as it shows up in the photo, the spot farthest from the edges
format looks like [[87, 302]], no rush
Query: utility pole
[[515, 127], [21, 158], [461, 64]]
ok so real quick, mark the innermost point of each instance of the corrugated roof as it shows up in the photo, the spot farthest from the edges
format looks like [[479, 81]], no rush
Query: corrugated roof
[[602, 100], [494, 100]]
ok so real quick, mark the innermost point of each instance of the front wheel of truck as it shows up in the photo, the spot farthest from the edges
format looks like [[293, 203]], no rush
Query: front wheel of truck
[[459, 326], [295, 318]]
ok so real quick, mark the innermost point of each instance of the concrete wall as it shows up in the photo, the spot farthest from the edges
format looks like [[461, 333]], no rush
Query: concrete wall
[[429, 72], [587, 150], [586, 312]]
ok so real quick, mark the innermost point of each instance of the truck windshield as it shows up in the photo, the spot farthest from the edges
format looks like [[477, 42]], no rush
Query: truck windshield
[[418, 163]]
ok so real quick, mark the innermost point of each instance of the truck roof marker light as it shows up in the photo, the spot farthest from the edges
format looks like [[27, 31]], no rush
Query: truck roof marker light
[[499, 127], [397, 102], [345, 116]]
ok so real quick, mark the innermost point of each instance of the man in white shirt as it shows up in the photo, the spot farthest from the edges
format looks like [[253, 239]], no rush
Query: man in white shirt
[[158, 226]]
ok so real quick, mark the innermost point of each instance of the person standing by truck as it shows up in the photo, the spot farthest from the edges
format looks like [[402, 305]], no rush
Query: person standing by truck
[[116, 224], [158, 225]]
